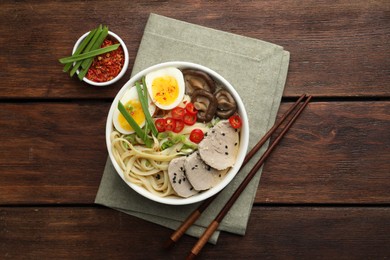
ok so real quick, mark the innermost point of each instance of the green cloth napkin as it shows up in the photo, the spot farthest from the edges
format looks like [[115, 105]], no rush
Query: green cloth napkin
[[258, 72]]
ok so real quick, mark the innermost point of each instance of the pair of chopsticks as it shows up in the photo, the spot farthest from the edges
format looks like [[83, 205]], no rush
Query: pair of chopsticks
[[215, 223]]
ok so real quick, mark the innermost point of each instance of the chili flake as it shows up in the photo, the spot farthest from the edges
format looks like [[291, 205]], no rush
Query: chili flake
[[107, 66]]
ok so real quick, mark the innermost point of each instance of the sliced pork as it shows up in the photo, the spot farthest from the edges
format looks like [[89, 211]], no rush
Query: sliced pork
[[220, 146], [178, 178], [201, 175]]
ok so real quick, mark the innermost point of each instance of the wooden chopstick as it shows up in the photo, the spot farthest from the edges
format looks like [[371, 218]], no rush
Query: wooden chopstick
[[179, 232], [215, 223]]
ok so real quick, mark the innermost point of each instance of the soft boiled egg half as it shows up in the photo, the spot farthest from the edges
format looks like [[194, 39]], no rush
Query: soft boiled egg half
[[132, 104], [166, 87]]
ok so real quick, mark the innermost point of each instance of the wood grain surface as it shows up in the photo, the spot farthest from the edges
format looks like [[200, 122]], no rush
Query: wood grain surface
[[326, 156], [277, 232], [337, 49], [324, 192]]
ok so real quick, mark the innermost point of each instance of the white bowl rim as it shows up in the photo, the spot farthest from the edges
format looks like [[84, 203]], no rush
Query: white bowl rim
[[244, 138], [125, 64]]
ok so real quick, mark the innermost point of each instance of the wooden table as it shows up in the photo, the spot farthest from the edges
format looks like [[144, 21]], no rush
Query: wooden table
[[324, 192]]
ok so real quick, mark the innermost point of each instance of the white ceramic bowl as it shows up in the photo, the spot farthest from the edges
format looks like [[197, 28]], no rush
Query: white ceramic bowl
[[125, 64], [244, 138]]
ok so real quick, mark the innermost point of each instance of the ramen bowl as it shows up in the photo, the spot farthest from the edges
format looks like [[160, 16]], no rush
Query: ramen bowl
[[243, 135]]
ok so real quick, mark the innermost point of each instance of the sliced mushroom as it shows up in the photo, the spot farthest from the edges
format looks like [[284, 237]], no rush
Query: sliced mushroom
[[226, 105], [196, 79], [205, 103]]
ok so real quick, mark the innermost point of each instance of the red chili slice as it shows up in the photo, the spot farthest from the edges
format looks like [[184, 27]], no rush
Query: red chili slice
[[170, 124], [189, 119], [179, 126], [235, 121], [196, 135], [190, 109], [178, 113], [160, 124]]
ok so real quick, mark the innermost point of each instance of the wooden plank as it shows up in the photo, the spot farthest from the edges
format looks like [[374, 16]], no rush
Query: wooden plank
[[51, 152], [338, 49], [337, 152], [273, 232]]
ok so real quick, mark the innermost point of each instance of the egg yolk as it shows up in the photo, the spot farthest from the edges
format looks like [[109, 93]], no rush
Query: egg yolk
[[134, 108], [165, 90]]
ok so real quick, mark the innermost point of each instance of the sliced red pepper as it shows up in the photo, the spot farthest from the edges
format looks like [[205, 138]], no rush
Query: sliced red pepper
[[235, 121], [160, 124], [190, 109], [170, 124], [196, 135], [189, 119], [179, 126], [178, 113]]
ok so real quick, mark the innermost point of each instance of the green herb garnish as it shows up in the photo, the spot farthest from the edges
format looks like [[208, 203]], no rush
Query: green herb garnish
[[89, 54], [81, 47], [143, 97], [88, 48], [88, 62], [86, 51], [96, 46], [143, 135]]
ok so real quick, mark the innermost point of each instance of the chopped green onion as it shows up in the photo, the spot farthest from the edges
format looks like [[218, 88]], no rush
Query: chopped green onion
[[131, 138], [88, 48], [87, 62], [81, 60], [163, 135], [142, 95], [81, 47], [89, 54], [166, 144], [134, 125], [188, 148]]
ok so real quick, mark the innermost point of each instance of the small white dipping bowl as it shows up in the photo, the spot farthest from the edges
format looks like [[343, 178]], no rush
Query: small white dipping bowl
[[244, 135], [125, 64]]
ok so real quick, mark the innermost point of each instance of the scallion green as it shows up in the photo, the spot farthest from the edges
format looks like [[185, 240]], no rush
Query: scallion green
[[89, 54], [88, 48], [81, 47], [134, 125], [143, 97], [87, 62]]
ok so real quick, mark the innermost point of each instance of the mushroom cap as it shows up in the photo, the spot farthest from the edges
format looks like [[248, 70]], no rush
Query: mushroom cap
[[206, 104], [226, 105], [196, 79]]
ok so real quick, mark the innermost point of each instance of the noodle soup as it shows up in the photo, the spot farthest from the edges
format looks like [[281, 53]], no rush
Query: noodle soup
[[192, 136]]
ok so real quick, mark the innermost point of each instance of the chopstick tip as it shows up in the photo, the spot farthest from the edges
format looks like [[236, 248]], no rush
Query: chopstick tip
[[169, 244], [191, 256]]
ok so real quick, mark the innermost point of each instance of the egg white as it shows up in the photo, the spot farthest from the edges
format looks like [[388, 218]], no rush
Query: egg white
[[130, 94], [173, 72]]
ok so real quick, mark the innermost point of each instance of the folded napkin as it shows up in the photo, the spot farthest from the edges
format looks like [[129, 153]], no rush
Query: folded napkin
[[255, 68]]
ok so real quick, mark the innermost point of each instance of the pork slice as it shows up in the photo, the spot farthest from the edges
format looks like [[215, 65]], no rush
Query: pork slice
[[219, 148], [178, 178], [201, 175]]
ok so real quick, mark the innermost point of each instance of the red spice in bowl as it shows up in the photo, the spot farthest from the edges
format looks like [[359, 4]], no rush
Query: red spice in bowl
[[111, 66], [107, 66]]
